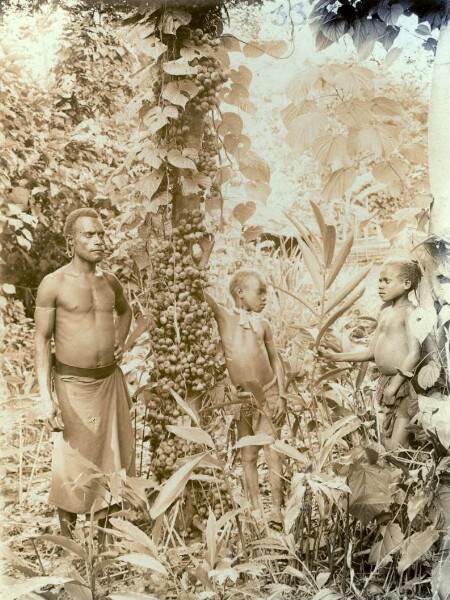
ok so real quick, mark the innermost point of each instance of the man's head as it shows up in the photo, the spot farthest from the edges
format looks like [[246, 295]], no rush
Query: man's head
[[85, 234], [397, 278], [249, 290]]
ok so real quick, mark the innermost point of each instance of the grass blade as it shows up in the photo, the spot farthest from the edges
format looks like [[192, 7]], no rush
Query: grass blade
[[329, 322], [348, 289], [339, 261]]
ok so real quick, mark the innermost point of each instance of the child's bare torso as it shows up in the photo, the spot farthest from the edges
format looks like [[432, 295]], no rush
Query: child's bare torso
[[245, 350], [391, 347]]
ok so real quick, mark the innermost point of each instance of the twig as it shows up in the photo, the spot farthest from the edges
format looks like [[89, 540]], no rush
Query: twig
[[38, 451]]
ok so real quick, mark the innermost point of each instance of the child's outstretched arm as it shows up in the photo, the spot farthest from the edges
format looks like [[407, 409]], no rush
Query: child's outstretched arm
[[408, 365], [277, 368], [206, 244], [362, 355]]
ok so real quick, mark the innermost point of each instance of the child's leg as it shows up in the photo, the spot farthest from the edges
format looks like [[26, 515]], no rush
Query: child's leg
[[67, 522], [249, 456], [275, 465], [399, 436]]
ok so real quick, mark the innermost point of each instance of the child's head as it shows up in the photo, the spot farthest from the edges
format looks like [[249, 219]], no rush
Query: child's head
[[249, 290], [397, 278]]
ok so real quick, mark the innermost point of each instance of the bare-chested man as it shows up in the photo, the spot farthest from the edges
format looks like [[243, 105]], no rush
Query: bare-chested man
[[251, 355], [394, 348], [84, 309]]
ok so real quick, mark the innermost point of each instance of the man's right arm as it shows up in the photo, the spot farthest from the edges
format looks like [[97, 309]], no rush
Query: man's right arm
[[44, 318]]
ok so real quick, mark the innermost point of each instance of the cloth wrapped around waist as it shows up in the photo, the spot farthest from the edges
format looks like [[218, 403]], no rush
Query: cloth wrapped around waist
[[405, 405], [250, 405]]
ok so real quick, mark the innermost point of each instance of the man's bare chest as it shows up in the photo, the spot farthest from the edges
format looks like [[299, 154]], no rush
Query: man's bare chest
[[80, 296]]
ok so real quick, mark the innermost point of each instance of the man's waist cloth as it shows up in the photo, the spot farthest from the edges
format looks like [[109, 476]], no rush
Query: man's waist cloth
[[96, 373]]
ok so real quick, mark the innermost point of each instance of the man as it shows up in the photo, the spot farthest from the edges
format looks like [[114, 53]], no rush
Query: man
[[84, 309]]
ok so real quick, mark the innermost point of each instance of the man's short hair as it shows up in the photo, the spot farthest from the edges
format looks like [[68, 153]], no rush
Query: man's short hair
[[240, 277], [73, 217], [407, 268]]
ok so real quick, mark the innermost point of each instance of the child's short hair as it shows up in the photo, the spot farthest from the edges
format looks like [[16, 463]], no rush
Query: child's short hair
[[240, 277], [408, 268], [76, 214]]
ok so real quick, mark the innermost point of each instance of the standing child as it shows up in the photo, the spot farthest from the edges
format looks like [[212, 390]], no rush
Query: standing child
[[251, 355], [395, 350]]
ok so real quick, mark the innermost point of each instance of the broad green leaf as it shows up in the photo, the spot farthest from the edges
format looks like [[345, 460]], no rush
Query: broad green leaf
[[292, 111], [257, 190], [304, 130], [344, 308], [390, 171], [434, 415], [34, 584], [385, 107], [254, 167], [312, 265], [134, 533], [338, 183], [340, 260], [371, 492], [186, 408], [416, 505], [242, 212], [195, 183], [178, 67], [149, 184], [144, 561], [192, 434], [422, 321], [344, 292], [230, 43], [380, 139], [179, 161], [331, 149], [230, 123], [391, 539], [237, 145], [71, 545], [174, 486], [242, 76], [290, 451], [179, 92], [415, 547], [301, 85], [252, 233], [415, 152], [428, 374], [262, 439], [174, 18]]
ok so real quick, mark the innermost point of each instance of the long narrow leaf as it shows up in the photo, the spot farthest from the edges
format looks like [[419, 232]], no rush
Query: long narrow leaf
[[143, 560], [290, 451], [187, 409], [174, 486], [305, 235], [329, 243], [66, 543], [35, 584], [192, 434], [330, 375], [312, 265], [329, 322], [134, 533], [339, 260], [348, 289], [211, 537], [303, 302], [319, 217]]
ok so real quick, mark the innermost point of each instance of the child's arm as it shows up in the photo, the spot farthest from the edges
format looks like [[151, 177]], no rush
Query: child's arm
[[408, 365], [277, 368], [362, 355]]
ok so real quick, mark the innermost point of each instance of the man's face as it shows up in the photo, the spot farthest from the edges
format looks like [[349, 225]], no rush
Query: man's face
[[88, 239], [391, 284], [253, 293]]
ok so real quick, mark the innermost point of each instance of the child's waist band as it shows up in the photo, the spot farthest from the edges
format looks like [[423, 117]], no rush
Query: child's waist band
[[97, 373]]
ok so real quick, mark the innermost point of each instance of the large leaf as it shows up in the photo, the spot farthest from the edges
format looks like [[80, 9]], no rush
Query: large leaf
[[230, 43], [340, 260], [415, 152], [285, 448], [192, 434], [385, 107], [242, 212], [179, 92], [416, 546], [174, 486], [34, 584], [195, 183], [379, 139], [134, 533], [434, 415], [339, 182], [300, 86], [230, 123], [331, 149], [237, 145], [257, 190], [390, 171], [371, 493], [304, 130], [68, 544], [176, 159], [262, 439], [243, 76], [150, 183], [144, 561], [292, 111], [179, 67], [346, 290], [391, 539], [428, 374], [319, 217], [312, 265], [254, 167], [344, 308], [422, 322], [174, 18]]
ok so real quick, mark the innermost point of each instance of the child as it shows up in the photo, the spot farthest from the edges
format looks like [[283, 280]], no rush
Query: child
[[251, 356], [395, 350]]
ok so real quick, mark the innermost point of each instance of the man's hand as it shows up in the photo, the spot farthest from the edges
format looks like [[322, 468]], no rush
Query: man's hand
[[51, 415], [389, 395], [206, 244], [118, 352], [328, 356], [279, 411]]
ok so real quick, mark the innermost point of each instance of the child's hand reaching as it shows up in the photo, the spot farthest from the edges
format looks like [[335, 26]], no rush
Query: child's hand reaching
[[206, 244], [328, 356]]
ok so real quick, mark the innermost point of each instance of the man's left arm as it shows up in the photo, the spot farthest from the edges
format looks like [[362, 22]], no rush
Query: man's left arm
[[408, 365], [123, 315], [277, 368]]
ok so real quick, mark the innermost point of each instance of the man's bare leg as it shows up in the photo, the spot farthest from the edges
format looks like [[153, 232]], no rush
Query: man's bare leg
[[399, 438], [67, 522], [275, 465]]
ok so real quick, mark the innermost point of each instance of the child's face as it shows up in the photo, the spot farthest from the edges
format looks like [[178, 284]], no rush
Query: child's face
[[391, 284], [253, 294]]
